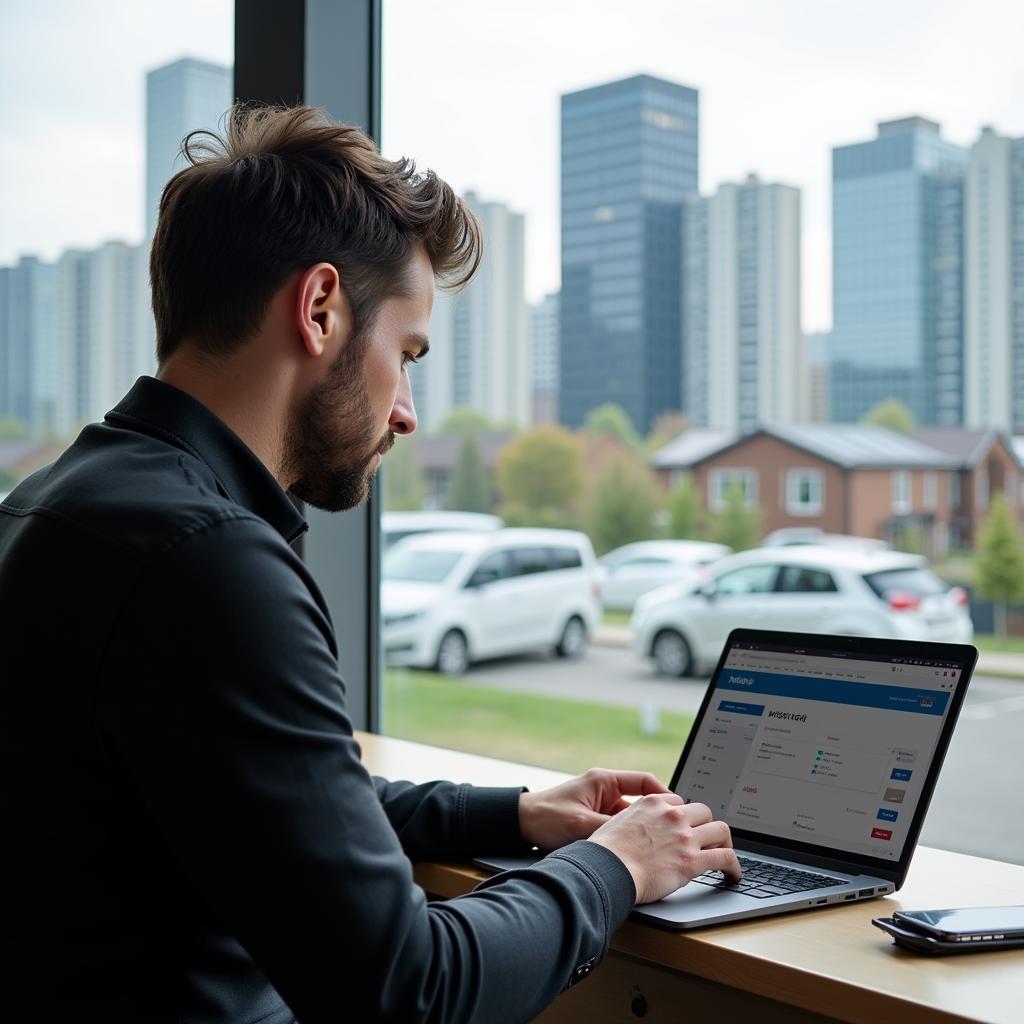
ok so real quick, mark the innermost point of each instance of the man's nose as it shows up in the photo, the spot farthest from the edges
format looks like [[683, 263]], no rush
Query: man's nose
[[403, 413]]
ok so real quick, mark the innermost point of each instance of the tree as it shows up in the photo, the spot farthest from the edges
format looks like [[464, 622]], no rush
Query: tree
[[611, 420], [999, 561], [472, 422], [667, 427], [13, 429], [470, 488], [402, 481], [540, 477], [737, 525], [622, 503], [686, 516], [893, 415]]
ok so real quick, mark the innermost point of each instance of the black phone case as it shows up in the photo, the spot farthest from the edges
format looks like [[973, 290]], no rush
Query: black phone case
[[918, 942]]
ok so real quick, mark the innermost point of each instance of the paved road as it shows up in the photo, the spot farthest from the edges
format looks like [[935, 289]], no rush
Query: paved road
[[977, 808]]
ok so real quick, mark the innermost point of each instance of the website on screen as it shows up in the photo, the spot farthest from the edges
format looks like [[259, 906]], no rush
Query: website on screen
[[820, 748]]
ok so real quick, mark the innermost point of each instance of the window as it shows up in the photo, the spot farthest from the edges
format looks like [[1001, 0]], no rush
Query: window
[[954, 490], [804, 492], [722, 481], [751, 579], [528, 561], [496, 566], [797, 579], [565, 558], [981, 488], [901, 500], [931, 490]]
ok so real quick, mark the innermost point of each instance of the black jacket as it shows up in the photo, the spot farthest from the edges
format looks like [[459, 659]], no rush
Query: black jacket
[[186, 831]]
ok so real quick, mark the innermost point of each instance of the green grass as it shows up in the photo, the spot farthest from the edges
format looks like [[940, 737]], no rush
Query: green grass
[[612, 618], [567, 735], [1001, 645]]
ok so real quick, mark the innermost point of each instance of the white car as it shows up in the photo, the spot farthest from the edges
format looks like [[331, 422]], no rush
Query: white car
[[810, 589], [396, 526], [793, 536], [634, 569], [449, 599]]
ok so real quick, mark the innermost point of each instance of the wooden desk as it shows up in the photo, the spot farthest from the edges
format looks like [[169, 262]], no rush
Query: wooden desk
[[820, 965]]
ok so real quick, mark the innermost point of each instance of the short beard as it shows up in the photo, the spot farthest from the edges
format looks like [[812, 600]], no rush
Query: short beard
[[313, 444]]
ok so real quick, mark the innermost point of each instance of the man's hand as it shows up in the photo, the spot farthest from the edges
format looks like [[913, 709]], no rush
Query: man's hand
[[664, 843], [577, 808]]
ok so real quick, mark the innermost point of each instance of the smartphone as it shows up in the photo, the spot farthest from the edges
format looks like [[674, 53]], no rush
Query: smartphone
[[968, 924]]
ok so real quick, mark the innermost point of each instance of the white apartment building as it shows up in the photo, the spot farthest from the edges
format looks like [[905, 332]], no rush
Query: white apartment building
[[479, 349], [743, 348], [994, 284]]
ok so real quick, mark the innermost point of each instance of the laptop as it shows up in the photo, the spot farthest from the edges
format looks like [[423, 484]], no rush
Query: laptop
[[822, 754]]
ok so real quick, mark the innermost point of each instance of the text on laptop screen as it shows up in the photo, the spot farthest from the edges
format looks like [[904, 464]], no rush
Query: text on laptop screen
[[819, 747]]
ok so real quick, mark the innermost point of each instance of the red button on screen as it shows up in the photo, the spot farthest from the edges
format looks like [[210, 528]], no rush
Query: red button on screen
[[881, 833]]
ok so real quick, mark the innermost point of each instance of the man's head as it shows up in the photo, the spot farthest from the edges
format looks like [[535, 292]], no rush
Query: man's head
[[295, 225]]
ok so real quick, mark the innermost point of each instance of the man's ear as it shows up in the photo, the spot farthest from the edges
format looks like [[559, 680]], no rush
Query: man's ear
[[323, 314]]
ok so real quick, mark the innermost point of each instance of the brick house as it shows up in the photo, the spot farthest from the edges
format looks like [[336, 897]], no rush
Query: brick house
[[842, 478], [989, 463], [438, 453]]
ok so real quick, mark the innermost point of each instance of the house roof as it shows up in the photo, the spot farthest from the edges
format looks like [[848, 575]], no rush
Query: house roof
[[849, 445], [968, 446], [439, 452]]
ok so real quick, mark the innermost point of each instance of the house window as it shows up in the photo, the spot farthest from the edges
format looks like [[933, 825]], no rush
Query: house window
[[981, 488], [804, 492], [931, 489], [721, 481], [901, 501], [954, 490]]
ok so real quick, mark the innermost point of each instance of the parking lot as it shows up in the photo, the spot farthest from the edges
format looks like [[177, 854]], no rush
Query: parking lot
[[976, 807]]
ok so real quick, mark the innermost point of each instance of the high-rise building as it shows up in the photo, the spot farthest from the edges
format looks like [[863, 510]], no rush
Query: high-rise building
[[629, 160], [897, 226], [29, 354], [479, 349], [816, 347], [743, 362], [994, 284], [185, 95], [104, 342], [544, 359]]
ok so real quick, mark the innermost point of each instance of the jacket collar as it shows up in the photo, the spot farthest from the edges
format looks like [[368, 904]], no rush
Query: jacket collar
[[163, 411]]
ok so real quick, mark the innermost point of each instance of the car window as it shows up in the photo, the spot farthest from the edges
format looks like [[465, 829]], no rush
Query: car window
[[633, 563], [496, 565], [917, 582], [527, 561], [419, 566], [797, 579], [564, 558], [751, 579]]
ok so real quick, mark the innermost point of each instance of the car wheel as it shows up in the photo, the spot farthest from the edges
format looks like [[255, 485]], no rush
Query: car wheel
[[671, 654], [573, 641], [453, 653]]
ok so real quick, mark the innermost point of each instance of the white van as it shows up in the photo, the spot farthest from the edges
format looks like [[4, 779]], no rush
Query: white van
[[449, 599], [396, 526]]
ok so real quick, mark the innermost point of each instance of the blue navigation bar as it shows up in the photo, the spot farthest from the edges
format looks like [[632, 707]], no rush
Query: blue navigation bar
[[836, 691], [741, 709]]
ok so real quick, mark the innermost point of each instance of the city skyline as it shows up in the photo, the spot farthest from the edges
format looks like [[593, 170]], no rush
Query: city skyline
[[475, 138]]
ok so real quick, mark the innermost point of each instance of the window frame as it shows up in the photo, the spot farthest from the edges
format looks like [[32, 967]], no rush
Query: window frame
[[902, 498], [794, 506], [717, 493]]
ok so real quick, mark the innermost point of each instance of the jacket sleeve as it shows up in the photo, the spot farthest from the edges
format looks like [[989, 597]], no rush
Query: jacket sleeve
[[438, 820], [236, 739]]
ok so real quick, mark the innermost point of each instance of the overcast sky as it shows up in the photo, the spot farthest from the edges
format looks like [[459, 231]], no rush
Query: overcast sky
[[471, 89]]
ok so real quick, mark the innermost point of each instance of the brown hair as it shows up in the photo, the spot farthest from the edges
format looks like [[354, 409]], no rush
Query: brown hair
[[284, 189]]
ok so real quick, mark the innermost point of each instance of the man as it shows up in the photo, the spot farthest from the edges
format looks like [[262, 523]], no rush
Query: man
[[188, 834]]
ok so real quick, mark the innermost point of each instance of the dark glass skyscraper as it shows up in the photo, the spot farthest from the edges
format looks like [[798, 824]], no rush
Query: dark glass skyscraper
[[629, 160], [897, 260]]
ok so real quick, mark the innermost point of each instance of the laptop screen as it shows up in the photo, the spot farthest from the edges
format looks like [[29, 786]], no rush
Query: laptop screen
[[830, 747]]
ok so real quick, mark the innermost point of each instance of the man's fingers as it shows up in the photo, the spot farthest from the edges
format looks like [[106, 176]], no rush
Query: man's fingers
[[698, 814], [722, 859], [639, 783], [713, 834]]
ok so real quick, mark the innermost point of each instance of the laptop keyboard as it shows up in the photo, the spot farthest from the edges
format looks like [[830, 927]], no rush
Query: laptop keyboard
[[763, 880]]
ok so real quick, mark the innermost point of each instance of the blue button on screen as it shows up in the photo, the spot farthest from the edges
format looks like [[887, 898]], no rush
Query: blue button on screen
[[885, 814], [903, 774]]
